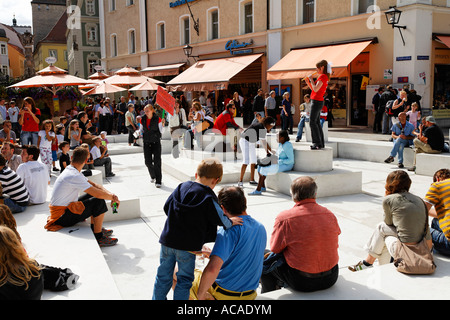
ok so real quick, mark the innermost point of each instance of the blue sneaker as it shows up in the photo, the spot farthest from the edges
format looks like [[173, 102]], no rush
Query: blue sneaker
[[255, 193], [263, 190]]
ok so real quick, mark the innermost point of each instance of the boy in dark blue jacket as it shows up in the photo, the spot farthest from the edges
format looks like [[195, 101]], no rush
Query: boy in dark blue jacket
[[193, 214]]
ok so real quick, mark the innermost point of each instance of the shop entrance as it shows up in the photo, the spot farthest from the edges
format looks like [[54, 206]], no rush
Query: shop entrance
[[441, 99], [358, 112]]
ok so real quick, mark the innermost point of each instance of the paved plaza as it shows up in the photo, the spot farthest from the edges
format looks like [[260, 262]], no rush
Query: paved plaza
[[131, 264]]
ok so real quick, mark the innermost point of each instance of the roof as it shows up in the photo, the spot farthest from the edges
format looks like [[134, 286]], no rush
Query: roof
[[51, 2], [58, 33]]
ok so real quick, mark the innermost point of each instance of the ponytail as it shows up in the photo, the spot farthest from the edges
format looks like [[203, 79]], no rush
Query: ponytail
[[326, 67]]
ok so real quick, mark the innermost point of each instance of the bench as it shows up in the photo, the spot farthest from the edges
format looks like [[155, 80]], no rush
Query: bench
[[377, 283], [373, 151], [427, 164], [74, 248]]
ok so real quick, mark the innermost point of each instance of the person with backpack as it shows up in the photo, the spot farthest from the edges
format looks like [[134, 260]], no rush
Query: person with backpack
[[385, 97]]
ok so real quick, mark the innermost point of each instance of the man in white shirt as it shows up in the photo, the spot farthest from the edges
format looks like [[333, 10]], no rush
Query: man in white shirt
[[34, 174], [67, 209]]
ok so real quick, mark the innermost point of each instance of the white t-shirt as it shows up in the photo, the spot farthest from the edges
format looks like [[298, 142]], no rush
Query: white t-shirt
[[35, 177], [44, 142], [95, 152], [68, 186]]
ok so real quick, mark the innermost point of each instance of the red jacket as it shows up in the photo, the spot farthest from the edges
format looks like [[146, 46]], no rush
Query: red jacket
[[222, 120]]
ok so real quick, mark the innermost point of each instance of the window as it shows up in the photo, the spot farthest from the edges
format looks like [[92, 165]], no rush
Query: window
[[132, 42], [90, 7], [184, 30], [308, 11], [130, 2], [112, 5], [213, 24], [364, 5], [53, 53], [160, 35], [245, 16], [92, 34], [113, 45], [66, 57], [92, 63], [248, 18], [4, 70], [3, 49]]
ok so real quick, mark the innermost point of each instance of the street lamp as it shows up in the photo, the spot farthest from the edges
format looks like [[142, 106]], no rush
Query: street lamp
[[188, 52], [393, 18]]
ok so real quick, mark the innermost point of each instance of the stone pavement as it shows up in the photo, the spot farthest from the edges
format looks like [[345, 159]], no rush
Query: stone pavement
[[134, 260]]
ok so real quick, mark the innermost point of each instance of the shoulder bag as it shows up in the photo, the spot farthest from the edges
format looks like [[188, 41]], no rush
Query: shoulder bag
[[415, 258]]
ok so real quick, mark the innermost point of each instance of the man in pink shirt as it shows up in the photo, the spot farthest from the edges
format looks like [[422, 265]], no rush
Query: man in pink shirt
[[304, 244]]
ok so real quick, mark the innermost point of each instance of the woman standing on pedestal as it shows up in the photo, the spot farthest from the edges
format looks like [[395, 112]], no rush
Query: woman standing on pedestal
[[318, 89]]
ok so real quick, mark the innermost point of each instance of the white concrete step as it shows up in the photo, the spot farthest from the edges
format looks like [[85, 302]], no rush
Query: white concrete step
[[337, 182], [74, 248]]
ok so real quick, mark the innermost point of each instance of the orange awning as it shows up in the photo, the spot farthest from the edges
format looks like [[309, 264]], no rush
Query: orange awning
[[215, 74], [300, 63], [445, 40]]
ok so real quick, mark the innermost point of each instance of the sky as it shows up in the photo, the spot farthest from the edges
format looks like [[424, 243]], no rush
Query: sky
[[21, 8]]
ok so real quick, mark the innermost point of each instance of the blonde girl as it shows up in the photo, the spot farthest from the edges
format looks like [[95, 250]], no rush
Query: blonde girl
[[45, 140], [74, 134], [20, 276]]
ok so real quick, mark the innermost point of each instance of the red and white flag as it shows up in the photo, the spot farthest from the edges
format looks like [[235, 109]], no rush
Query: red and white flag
[[165, 100]]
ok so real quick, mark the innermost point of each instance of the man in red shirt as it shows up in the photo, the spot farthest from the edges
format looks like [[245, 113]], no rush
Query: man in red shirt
[[304, 244], [225, 121]]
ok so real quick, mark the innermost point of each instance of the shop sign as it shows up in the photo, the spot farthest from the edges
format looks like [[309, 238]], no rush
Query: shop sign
[[233, 46], [179, 3], [403, 79], [388, 73], [441, 114], [405, 58], [423, 57]]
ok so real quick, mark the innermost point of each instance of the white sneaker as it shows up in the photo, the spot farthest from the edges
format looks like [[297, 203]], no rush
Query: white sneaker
[[153, 180], [240, 184], [158, 185]]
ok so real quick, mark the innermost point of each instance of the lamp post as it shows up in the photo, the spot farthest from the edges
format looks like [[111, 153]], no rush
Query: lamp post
[[393, 18]]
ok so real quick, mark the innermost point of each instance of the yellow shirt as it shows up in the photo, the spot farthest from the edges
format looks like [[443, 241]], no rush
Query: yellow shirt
[[439, 196]]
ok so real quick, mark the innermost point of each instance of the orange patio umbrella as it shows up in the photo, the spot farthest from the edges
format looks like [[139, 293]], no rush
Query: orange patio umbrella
[[145, 86], [127, 77], [52, 79], [103, 88]]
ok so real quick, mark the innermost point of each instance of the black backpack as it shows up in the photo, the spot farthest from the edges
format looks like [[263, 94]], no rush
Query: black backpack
[[389, 106]]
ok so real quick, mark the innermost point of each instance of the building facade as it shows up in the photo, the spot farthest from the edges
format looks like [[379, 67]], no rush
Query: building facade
[[83, 37]]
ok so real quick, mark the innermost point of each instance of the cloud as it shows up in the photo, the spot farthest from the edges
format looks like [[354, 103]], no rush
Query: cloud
[[20, 8]]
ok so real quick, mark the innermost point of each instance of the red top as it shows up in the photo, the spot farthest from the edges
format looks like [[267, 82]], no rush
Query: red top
[[28, 121], [307, 235], [318, 96], [222, 120]]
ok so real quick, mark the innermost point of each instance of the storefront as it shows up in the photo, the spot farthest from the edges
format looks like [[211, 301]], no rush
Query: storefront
[[350, 62]]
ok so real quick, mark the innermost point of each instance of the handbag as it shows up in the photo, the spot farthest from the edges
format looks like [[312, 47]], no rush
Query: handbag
[[415, 258], [267, 161]]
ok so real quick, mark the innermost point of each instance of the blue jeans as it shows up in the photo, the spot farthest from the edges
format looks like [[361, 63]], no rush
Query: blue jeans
[[164, 277], [301, 125], [29, 137], [13, 206], [399, 145], [440, 242]]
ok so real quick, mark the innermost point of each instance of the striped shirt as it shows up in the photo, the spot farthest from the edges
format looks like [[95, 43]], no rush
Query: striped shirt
[[439, 196], [13, 186]]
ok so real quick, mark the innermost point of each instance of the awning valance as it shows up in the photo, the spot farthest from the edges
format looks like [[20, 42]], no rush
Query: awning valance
[[215, 74], [165, 70], [299, 63]]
